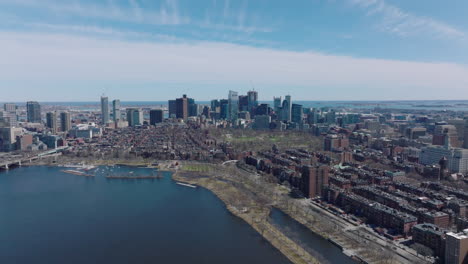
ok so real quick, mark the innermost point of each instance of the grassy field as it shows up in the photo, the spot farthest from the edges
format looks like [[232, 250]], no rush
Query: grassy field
[[197, 168], [246, 140]]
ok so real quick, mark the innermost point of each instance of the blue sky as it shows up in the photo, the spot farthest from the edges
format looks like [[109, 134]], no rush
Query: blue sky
[[58, 50]]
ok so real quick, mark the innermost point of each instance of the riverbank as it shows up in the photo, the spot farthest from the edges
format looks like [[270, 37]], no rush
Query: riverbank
[[255, 214]]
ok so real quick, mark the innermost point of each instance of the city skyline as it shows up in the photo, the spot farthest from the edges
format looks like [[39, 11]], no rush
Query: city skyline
[[318, 50]]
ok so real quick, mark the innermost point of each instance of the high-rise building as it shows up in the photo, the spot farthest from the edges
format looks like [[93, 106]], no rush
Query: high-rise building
[[297, 113], [223, 105], [9, 115], [33, 109], [465, 138], [172, 107], [192, 107], [134, 117], [182, 107], [105, 109], [156, 116], [214, 105], [313, 179], [313, 116], [286, 109], [277, 104], [262, 109], [116, 115], [10, 107], [65, 121], [233, 107], [252, 101], [456, 247], [51, 118], [8, 119], [243, 103]]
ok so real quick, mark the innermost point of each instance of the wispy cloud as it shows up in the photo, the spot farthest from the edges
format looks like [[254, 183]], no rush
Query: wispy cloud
[[167, 14], [400, 22], [67, 58]]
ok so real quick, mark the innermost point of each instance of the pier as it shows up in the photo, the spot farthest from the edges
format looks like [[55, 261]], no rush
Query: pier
[[79, 173]]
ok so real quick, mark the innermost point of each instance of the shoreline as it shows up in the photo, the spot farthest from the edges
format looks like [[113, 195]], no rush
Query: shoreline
[[254, 217]]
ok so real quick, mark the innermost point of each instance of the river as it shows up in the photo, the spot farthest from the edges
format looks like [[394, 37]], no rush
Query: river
[[47, 216]]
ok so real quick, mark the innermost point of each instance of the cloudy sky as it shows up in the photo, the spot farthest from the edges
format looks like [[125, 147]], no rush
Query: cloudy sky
[[75, 50]]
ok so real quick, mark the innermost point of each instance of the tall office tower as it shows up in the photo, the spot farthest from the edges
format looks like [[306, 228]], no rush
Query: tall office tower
[[51, 118], [276, 104], [33, 109], [233, 106], [214, 105], [243, 103], [116, 115], [252, 101], [288, 111], [297, 113], [156, 116], [223, 106], [172, 107], [182, 107], [192, 107], [456, 247], [105, 109], [465, 138], [134, 117], [313, 179], [65, 121]]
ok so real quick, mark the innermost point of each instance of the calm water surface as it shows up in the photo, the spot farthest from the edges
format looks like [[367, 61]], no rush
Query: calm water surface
[[316, 245], [47, 216]]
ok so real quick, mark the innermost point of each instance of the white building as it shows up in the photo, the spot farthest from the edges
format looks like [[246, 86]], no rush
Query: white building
[[89, 130], [457, 157]]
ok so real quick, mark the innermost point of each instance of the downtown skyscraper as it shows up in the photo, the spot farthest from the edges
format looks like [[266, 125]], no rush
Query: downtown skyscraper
[[116, 115], [233, 106], [105, 109]]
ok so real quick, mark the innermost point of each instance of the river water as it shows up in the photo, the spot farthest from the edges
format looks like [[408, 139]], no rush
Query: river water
[[317, 246], [47, 216]]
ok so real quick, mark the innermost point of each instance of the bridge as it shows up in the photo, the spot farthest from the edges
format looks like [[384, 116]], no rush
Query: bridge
[[17, 162]]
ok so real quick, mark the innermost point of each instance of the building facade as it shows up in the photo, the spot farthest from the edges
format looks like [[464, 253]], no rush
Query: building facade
[[65, 121], [116, 114], [105, 109], [33, 109], [51, 121], [156, 116]]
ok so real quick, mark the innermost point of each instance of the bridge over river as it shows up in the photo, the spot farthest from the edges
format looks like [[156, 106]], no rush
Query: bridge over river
[[6, 164]]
